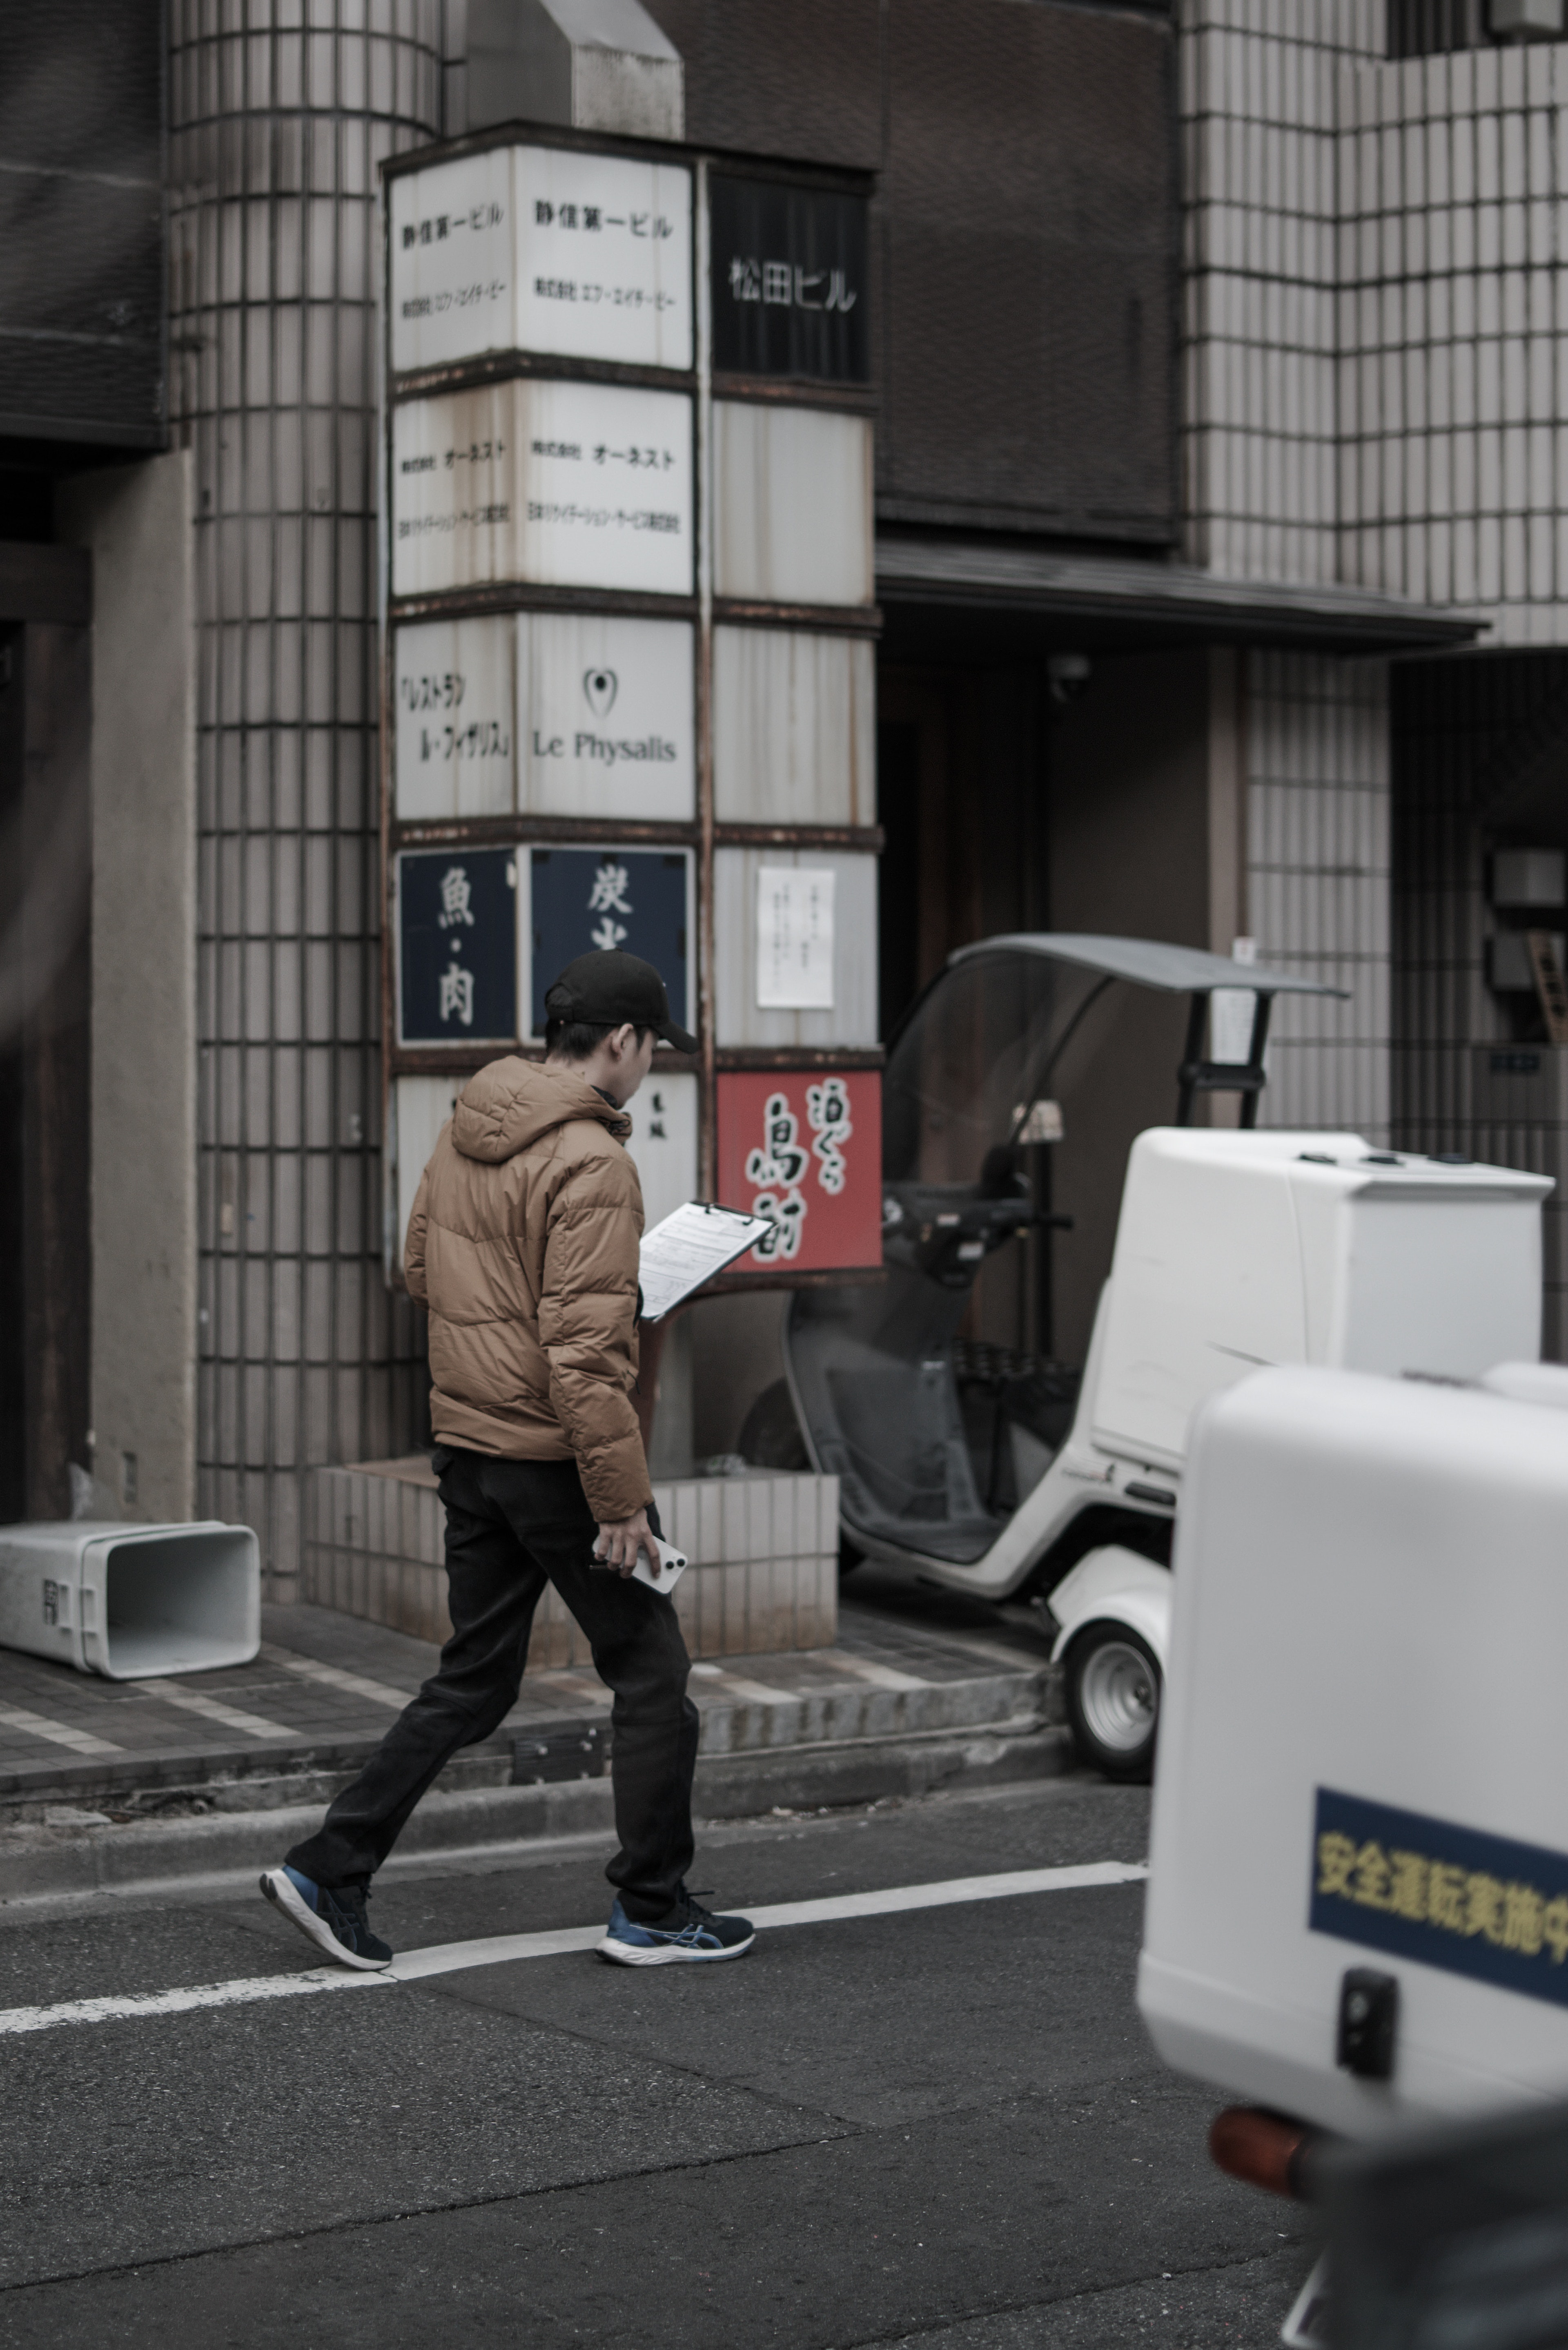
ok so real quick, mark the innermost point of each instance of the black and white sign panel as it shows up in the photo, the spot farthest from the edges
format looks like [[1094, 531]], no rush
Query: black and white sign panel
[[565, 485], [635, 899], [456, 743], [452, 273], [788, 281], [542, 249], [457, 946], [607, 717], [604, 267]]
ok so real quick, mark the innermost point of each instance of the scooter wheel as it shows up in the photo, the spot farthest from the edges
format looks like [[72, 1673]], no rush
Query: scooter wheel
[[1113, 1701]]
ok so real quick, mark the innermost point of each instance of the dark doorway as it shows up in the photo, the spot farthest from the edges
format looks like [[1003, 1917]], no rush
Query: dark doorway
[[44, 1065]]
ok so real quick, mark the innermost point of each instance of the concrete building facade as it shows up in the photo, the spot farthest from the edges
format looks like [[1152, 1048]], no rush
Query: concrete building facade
[[1220, 424]]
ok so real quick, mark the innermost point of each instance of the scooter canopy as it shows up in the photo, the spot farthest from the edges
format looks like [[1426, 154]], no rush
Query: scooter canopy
[[935, 1431]]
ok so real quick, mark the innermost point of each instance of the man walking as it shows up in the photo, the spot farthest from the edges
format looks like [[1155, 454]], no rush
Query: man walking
[[523, 1243]]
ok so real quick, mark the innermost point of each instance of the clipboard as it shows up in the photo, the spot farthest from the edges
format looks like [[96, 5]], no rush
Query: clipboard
[[698, 1240]]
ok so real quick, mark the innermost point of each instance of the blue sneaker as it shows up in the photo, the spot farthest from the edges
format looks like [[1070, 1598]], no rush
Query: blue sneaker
[[687, 1933], [331, 1916]]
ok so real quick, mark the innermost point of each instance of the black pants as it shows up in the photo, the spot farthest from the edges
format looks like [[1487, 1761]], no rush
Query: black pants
[[512, 1527]]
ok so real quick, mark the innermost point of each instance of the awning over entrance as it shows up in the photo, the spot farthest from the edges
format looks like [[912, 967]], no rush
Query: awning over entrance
[[1103, 601]]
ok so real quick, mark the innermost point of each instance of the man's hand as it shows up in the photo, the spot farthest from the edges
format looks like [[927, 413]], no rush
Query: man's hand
[[620, 1543]]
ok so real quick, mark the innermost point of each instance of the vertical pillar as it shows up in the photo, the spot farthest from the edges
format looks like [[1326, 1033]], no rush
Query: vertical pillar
[[277, 126]]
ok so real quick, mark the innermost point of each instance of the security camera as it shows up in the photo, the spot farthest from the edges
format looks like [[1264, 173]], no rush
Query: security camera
[[1068, 674]]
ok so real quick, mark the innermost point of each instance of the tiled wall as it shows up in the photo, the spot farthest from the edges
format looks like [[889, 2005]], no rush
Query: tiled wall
[[763, 1551], [1260, 100], [1454, 404], [277, 126], [1318, 882], [1376, 316]]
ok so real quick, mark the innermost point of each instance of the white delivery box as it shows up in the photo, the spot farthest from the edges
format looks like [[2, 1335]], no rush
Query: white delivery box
[[131, 1602], [1235, 1250], [1364, 1749]]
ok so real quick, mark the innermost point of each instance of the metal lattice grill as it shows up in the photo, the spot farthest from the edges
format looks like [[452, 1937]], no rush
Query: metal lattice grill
[[277, 131]]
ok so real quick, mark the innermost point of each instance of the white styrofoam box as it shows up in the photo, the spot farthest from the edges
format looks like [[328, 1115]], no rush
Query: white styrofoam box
[[131, 1602], [793, 505], [542, 249], [1362, 1746], [1528, 877], [420, 1108], [664, 1141], [794, 727], [1240, 1250], [606, 717], [853, 1018], [456, 740], [565, 485]]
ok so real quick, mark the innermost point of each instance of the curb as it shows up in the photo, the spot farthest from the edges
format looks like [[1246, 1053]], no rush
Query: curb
[[63, 1858]]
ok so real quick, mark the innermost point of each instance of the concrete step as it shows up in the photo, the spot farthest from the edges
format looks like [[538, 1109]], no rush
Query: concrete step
[[73, 1851], [295, 1726]]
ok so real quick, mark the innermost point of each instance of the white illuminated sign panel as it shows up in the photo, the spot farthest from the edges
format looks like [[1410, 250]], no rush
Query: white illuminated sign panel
[[542, 249], [452, 280], [456, 719], [606, 722], [604, 257], [565, 485]]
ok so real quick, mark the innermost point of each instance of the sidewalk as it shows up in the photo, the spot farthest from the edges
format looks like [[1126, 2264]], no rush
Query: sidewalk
[[112, 1784]]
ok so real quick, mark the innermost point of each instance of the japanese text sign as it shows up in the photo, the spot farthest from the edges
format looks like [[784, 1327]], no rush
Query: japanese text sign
[[636, 900], [542, 249], [457, 946], [789, 282], [794, 938], [804, 1147], [1452, 1897], [455, 744], [569, 484]]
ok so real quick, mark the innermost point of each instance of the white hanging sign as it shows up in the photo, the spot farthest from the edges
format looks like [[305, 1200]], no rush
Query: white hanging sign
[[456, 720], [452, 289], [542, 249], [604, 256], [794, 939], [569, 484], [607, 716]]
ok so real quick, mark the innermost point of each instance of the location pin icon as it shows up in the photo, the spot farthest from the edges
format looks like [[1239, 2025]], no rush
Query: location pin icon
[[599, 685]]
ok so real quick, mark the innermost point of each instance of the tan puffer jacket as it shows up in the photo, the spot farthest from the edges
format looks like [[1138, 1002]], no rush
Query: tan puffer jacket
[[523, 1243]]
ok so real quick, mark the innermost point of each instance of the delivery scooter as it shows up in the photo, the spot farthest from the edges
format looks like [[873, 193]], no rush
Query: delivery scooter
[[989, 1469]]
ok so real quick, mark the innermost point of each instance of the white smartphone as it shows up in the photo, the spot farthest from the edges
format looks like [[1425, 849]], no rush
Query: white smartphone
[[672, 1561], [672, 1566]]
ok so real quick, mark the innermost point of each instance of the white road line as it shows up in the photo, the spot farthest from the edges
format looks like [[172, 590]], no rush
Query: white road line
[[505, 1950], [38, 1725], [181, 2002], [256, 1725], [334, 1677]]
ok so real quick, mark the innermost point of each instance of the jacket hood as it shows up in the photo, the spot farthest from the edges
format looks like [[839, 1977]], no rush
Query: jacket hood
[[507, 1107]]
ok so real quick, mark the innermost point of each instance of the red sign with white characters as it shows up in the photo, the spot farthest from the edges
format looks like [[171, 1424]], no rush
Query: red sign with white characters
[[804, 1147]]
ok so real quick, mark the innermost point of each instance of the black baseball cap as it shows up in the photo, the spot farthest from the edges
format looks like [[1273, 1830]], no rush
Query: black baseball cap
[[609, 986]]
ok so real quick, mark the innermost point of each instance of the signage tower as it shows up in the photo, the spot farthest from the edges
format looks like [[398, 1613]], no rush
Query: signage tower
[[630, 653]]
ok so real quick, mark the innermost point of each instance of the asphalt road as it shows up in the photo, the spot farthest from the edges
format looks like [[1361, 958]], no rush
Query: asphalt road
[[942, 2127]]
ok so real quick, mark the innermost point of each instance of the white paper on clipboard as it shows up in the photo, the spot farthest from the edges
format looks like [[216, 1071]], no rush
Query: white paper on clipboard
[[688, 1249]]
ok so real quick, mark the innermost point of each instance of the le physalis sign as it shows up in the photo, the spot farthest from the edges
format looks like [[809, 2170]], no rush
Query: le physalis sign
[[803, 1148]]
